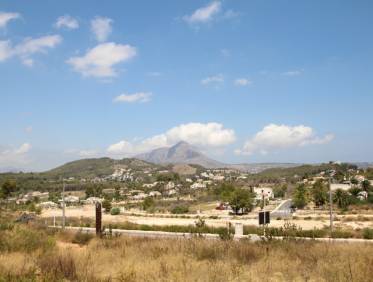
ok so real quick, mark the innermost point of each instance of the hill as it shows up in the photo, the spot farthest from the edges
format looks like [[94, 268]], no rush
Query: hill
[[181, 153], [90, 168]]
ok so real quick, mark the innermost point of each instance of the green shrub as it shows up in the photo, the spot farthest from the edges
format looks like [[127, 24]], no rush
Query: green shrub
[[225, 234], [180, 209], [25, 239], [82, 238], [368, 233], [115, 211]]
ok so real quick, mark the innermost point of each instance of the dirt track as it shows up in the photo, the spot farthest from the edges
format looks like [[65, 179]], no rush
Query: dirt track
[[161, 219]]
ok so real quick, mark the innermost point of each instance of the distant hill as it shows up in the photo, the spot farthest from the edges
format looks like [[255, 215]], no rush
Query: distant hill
[[181, 153], [89, 168]]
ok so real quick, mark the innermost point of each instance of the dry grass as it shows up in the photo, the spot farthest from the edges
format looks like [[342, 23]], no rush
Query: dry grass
[[140, 259]]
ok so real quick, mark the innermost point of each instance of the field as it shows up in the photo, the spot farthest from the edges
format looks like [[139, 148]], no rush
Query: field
[[305, 220], [33, 253]]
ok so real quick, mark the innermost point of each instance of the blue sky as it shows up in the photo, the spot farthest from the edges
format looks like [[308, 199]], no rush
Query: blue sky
[[243, 80]]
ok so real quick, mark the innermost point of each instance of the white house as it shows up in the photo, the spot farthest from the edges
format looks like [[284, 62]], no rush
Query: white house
[[93, 200], [263, 191], [155, 194], [344, 187], [198, 185]]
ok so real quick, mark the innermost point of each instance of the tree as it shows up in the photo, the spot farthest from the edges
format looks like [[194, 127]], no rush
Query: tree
[[224, 191], [106, 205], [93, 190], [354, 191], [300, 198], [241, 200], [341, 197], [148, 203], [365, 185], [7, 188], [319, 193], [279, 191], [354, 181]]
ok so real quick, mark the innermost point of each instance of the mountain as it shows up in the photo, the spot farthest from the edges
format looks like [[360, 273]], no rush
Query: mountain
[[181, 153]]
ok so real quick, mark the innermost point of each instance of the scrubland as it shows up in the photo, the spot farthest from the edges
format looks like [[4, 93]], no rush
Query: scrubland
[[33, 253]]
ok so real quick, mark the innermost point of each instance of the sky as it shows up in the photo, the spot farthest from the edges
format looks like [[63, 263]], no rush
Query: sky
[[244, 81]]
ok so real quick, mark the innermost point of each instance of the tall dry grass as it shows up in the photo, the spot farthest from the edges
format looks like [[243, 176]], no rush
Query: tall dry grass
[[141, 259]]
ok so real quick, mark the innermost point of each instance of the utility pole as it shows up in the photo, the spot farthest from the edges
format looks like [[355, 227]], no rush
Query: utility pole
[[330, 205], [63, 204]]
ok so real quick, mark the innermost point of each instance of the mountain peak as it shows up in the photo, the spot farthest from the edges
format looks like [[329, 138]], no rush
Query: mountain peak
[[182, 153], [181, 143]]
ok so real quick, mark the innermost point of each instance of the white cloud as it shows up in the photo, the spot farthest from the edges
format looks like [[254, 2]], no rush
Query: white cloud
[[67, 22], [242, 82], [198, 134], [15, 156], [23, 149], [204, 14], [6, 17], [293, 72], [100, 60], [101, 27], [213, 79], [140, 97], [5, 50], [274, 137], [28, 47]]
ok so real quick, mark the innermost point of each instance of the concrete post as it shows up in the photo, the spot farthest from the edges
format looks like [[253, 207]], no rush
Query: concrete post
[[238, 230]]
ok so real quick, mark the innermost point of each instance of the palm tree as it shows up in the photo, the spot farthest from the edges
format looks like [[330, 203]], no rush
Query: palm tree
[[341, 198], [365, 185]]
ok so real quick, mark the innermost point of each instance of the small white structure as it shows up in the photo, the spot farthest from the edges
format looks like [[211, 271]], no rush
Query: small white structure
[[198, 185], [344, 187], [70, 199], [140, 196], [93, 200], [149, 185], [263, 191], [238, 230], [170, 185], [48, 205], [171, 192], [155, 194]]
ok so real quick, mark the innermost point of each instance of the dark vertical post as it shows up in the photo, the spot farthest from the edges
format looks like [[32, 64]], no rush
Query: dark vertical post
[[98, 218]]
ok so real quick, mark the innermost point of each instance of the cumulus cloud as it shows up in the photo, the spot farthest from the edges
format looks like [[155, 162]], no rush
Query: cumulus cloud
[[101, 28], [198, 134], [15, 156], [242, 82], [100, 60], [274, 137], [67, 21], [6, 17], [213, 79], [28, 47], [204, 14], [140, 97]]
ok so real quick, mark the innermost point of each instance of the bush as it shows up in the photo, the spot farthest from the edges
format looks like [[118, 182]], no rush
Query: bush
[[58, 267], [180, 209], [106, 204], [368, 233], [82, 238], [225, 234], [115, 211], [25, 239]]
